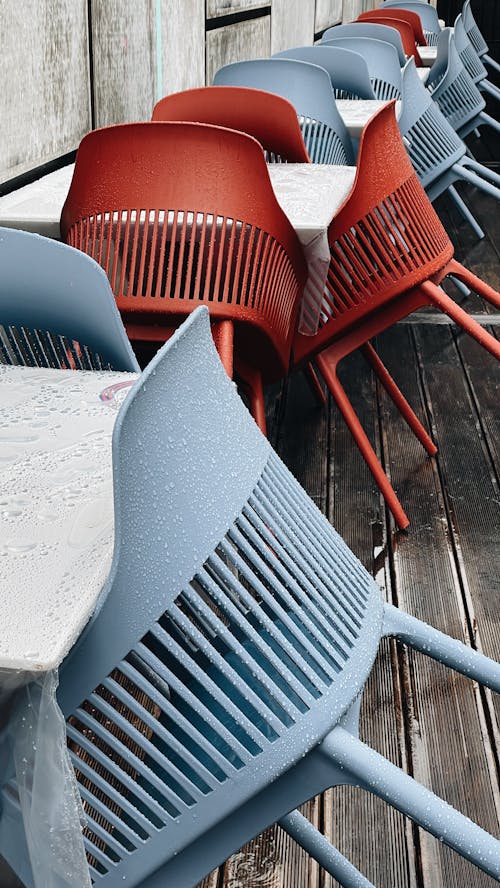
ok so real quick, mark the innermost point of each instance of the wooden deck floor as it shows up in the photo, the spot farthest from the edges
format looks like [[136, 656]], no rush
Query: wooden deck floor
[[446, 570]]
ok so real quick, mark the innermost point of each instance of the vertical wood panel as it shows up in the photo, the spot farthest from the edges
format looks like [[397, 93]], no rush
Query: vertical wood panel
[[44, 100], [183, 45], [292, 23], [328, 12], [351, 9], [245, 40], [123, 41]]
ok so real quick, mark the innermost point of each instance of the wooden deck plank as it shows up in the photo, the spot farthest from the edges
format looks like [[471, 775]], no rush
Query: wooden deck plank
[[445, 715]]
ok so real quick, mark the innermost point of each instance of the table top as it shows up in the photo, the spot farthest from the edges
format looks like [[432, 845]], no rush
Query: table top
[[428, 55], [357, 112], [56, 507]]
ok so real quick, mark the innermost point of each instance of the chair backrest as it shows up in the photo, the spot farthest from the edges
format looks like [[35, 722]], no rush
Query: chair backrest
[[384, 240], [309, 89], [222, 639], [432, 144], [269, 118], [477, 39], [183, 213], [452, 88], [381, 60], [52, 297], [348, 70], [374, 30], [471, 61], [427, 14], [406, 15], [395, 21]]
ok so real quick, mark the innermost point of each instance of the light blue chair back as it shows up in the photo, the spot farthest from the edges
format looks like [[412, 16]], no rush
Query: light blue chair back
[[218, 684], [381, 60], [60, 292], [348, 70], [477, 39], [372, 30], [453, 89], [470, 59], [309, 89], [427, 13]]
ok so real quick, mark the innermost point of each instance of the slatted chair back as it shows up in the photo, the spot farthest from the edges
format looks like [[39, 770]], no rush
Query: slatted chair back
[[405, 29], [309, 89], [57, 308], [468, 55], [405, 15], [269, 118], [432, 143], [427, 14], [381, 60], [452, 87], [373, 30], [477, 39], [217, 685], [184, 213], [348, 71]]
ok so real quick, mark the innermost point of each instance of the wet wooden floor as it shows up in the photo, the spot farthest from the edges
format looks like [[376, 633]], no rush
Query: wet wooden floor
[[446, 570]]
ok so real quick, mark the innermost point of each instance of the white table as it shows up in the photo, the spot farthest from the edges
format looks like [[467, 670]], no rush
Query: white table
[[56, 541], [310, 195], [428, 55]]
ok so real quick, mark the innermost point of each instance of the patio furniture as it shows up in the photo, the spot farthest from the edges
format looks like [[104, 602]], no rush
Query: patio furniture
[[367, 29], [436, 151], [217, 686], [406, 31], [454, 90], [477, 39], [269, 118], [183, 213], [57, 308], [381, 60], [426, 13], [387, 250], [405, 15], [309, 89], [471, 61], [348, 72]]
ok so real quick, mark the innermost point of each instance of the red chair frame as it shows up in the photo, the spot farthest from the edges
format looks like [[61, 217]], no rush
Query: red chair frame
[[388, 17]]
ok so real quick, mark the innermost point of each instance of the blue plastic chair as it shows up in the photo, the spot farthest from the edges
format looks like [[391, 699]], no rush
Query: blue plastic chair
[[471, 61], [382, 61], [436, 151], [348, 71], [427, 13], [218, 684], [371, 30], [454, 90], [477, 39], [309, 89], [52, 297]]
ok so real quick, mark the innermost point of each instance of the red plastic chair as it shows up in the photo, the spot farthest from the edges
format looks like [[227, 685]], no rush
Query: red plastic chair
[[180, 214], [388, 17], [406, 15], [388, 252], [269, 118]]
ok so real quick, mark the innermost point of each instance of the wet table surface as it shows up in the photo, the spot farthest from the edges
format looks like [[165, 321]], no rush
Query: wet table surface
[[56, 507]]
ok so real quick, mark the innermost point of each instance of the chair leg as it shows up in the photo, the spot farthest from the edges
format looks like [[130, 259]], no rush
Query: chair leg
[[328, 371], [438, 297], [481, 169], [464, 211], [469, 175], [371, 771], [252, 379], [312, 378], [320, 849], [441, 647], [490, 62], [479, 286], [397, 396], [223, 334], [490, 121]]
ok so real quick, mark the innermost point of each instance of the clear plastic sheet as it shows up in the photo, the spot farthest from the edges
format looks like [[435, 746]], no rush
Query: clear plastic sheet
[[48, 793]]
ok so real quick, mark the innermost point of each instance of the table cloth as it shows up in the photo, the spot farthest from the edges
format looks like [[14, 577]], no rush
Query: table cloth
[[56, 541]]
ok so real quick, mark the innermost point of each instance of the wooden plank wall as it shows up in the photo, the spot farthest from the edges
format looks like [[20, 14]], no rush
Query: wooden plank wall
[[70, 65]]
